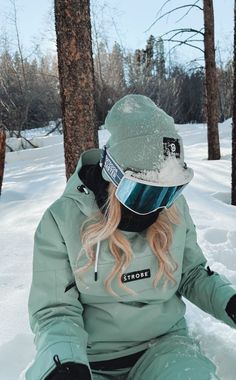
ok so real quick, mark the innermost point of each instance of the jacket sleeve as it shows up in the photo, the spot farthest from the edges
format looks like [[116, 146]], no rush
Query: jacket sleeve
[[206, 289], [55, 315]]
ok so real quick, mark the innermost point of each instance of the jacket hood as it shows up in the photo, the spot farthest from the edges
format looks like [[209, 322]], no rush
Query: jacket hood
[[75, 188]]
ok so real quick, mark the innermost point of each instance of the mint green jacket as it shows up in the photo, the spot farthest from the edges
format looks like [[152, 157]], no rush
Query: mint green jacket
[[86, 323]]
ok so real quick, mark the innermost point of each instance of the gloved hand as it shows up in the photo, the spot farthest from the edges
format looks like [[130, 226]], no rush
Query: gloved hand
[[231, 308], [69, 371]]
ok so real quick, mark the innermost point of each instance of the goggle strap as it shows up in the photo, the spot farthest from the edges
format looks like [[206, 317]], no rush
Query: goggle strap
[[103, 156], [112, 169]]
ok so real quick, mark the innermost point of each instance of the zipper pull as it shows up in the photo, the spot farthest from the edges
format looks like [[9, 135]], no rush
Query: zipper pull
[[61, 369], [70, 286]]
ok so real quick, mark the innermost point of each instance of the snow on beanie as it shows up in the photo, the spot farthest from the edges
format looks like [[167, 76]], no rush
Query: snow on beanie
[[142, 135]]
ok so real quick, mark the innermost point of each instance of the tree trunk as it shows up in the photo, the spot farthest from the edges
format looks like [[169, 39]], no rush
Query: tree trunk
[[76, 75], [2, 155], [211, 82], [234, 119]]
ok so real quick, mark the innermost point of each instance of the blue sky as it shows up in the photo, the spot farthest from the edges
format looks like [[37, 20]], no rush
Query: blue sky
[[125, 21]]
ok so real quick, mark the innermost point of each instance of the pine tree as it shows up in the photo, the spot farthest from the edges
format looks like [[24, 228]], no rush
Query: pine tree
[[116, 72], [160, 59], [149, 57]]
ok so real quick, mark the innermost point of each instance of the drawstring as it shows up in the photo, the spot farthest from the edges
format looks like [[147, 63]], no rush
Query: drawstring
[[209, 271], [61, 368], [96, 262]]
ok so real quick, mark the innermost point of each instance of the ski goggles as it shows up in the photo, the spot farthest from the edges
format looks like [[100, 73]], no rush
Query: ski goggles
[[139, 196]]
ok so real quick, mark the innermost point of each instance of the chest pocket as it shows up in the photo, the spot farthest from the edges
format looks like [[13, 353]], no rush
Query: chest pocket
[[138, 277]]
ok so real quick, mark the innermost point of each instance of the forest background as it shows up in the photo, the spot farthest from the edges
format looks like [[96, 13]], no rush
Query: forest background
[[174, 79]]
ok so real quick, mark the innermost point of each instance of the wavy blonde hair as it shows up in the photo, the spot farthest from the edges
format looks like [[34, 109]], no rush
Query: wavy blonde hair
[[104, 226]]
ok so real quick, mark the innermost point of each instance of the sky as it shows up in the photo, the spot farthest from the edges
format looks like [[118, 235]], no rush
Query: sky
[[124, 21]]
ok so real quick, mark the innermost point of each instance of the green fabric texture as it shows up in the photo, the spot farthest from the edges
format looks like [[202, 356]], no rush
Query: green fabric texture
[[174, 356], [137, 127], [88, 324]]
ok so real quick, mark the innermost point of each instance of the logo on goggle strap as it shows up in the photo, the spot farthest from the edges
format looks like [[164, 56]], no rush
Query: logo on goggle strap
[[110, 168], [171, 147]]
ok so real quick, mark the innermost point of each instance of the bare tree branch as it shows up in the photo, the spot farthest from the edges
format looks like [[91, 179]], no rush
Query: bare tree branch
[[162, 7], [184, 43], [171, 11], [194, 40], [28, 141], [165, 3], [184, 30], [190, 8], [13, 2], [10, 148], [58, 123], [187, 39]]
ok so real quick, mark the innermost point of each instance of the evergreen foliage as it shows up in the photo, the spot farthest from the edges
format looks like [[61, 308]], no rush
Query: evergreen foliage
[[29, 95], [176, 88]]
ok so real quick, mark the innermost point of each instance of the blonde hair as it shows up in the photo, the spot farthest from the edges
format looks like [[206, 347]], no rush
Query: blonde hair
[[104, 226]]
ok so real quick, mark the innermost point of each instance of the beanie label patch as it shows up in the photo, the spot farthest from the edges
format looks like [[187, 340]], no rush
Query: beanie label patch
[[171, 147]]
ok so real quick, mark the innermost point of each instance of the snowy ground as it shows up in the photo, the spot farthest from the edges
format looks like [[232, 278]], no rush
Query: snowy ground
[[33, 138], [34, 178]]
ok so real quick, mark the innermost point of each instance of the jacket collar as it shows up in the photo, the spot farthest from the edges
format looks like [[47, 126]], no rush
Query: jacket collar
[[84, 198]]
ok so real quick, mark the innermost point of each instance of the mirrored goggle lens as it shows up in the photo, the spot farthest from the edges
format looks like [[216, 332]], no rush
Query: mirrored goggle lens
[[144, 199]]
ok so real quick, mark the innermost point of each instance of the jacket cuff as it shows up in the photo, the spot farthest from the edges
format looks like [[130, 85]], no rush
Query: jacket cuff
[[231, 291], [231, 308], [43, 364]]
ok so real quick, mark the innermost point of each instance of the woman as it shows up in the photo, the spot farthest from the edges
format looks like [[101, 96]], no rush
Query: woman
[[114, 256]]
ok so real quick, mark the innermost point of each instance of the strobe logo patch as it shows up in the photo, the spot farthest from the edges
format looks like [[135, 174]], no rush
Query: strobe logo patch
[[171, 147], [134, 276]]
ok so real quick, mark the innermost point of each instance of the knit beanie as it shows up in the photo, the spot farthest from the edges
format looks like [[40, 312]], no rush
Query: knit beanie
[[143, 138]]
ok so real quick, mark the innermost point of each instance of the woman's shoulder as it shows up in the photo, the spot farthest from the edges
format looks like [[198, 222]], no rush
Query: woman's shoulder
[[181, 204], [64, 208]]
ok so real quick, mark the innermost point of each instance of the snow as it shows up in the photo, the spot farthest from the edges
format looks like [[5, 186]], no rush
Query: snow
[[34, 178], [33, 138], [171, 173], [129, 105]]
